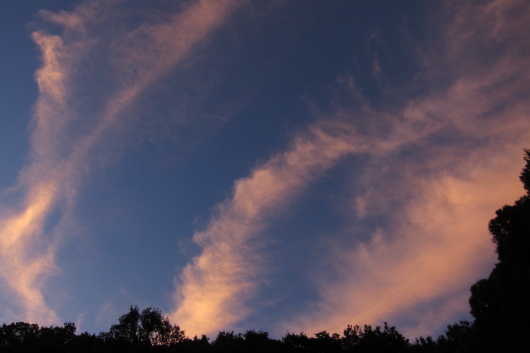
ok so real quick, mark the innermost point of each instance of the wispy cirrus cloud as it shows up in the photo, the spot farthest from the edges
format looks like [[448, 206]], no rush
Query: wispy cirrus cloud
[[456, 160], [435, 247], [65, 139], [426, 170], [437, 167], [212, 290]]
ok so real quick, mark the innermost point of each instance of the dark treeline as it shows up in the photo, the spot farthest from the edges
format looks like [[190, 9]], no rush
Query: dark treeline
[[500, 305], [149, 331]]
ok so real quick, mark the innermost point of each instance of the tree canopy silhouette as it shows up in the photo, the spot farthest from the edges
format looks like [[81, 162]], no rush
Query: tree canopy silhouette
[[148, 328], [500, 303]]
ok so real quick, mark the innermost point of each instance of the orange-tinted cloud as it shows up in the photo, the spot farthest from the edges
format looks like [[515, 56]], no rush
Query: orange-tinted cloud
[[212, 289], [63, 141], [441, 199], [433, 251], [437, 201], [21, 269]]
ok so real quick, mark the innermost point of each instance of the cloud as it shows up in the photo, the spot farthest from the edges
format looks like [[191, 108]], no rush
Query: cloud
[[437, 167], [450, 159], [20, 268], [427, 169], [213, 288], [65, 141], [435, 248]]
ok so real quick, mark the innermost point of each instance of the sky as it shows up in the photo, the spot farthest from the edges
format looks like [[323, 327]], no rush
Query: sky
[[274, 165]]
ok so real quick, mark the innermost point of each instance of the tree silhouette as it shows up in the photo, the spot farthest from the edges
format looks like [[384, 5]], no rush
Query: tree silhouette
[[501, 302], [454, 340], [148, 328], [297, 343], [24, 337]]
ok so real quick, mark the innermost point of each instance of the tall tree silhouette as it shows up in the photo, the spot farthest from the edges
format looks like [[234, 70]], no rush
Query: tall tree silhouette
[[148, 328], [501, 302]]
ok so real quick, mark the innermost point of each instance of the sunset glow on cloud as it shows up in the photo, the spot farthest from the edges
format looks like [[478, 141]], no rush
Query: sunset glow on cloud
[[214, 286], [258, 165]]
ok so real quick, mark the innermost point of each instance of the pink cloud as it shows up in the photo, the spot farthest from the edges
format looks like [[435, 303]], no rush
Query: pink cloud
[[63, 143], [435, 248], [437, 244], [213, 288]]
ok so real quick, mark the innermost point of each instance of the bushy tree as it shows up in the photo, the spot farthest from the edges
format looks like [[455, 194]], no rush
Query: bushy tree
[[297, 343], [147, 328], [501, 302], [24, 337]]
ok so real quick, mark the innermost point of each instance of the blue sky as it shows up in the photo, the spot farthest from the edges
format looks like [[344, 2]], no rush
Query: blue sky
[[270, 165]]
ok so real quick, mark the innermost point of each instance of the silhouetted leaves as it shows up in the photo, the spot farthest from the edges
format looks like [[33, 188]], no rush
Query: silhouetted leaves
[[501, 302], [24, 337], [525, 174], [148, 328]]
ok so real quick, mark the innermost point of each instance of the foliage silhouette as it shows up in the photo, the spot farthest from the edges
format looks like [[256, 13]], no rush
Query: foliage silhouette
[[24, 337], [148, 328], [500, 303]]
